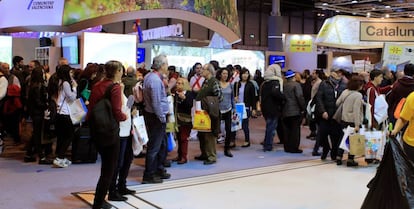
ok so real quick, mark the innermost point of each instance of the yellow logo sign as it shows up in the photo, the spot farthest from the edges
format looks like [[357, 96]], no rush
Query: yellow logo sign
[[300, 45], [395, 50]]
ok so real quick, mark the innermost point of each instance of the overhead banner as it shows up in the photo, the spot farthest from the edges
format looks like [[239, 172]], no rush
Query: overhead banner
[[352, 32], [22, 13], [387, 31]]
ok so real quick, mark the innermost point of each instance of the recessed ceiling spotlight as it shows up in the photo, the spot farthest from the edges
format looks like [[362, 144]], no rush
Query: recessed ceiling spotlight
[[387, 15], [373, 8], [325, 4], [368, 14], [353, 13], [354, 2], [337, 11], [388, 6]]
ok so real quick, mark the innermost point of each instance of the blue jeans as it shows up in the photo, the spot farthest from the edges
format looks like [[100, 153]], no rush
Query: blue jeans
[[271, 124], [156, 147]]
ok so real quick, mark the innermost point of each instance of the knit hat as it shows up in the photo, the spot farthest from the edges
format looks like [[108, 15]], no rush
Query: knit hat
[[289, 74], [271, 71]]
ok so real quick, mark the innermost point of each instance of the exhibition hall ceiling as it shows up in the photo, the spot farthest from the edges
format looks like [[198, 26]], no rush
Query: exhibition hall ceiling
[[329, 8]]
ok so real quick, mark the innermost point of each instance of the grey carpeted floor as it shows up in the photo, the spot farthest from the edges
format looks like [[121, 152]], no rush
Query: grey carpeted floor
[[29, 185]]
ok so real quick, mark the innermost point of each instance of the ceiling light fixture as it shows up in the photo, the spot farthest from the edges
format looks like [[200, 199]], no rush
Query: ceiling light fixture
[[387, 15], [325, 4], [354, 2], [387, 7]]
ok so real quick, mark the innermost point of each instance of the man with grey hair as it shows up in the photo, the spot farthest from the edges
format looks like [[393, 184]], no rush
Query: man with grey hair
[[129, 80], [155, 112]]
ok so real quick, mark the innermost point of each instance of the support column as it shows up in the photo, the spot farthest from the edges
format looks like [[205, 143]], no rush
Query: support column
[[275, 27]]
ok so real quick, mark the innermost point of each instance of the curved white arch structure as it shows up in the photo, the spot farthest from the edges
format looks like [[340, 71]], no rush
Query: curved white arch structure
[[209, 23]]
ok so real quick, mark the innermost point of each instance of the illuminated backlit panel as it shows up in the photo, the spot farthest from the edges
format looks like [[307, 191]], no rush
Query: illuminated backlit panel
[[102, 47], [31, 14], [6, 49], [183, 58], [220, 16]]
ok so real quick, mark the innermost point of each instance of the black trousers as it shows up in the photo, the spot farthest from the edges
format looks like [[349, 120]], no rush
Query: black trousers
[[12, 124], [65, 133], [332, 129], [34, 145], [341, 151], [292, 133], [109, 159], [124, 164]]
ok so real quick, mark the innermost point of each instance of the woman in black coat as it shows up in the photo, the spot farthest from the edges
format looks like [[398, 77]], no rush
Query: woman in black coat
[[37, 104], [244, 91]]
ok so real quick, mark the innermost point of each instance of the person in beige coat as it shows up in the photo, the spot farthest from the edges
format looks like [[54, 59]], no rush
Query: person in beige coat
[[352, 112]]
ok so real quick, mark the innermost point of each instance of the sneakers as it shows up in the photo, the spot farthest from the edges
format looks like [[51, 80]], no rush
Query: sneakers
[[61, 163], [220, 140]]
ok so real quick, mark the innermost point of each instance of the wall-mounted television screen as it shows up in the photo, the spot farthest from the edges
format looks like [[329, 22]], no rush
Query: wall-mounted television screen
[[277, 59], [70, 49]]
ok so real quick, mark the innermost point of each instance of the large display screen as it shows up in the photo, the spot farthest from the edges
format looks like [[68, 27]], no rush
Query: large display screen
[[224, 12], [6, 49], [140, 55], [183, 58], [70, 49], [103, 47], [277, 59]]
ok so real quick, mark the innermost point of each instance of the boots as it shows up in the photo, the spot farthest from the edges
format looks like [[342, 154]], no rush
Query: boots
[[227, 152]]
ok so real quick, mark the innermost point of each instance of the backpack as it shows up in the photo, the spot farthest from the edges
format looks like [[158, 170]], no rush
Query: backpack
[[12, 101], [138, 92], [103, 126], [399, 107]]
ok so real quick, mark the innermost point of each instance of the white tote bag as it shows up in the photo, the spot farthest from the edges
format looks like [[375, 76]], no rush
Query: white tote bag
[[140, 129], [77, 111], [136, 143]]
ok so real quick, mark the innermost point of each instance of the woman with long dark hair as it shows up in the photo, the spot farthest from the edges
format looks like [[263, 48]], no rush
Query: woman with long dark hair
[[65, 131], [226, 107], [37, 104], [109, 152], [245, 92]]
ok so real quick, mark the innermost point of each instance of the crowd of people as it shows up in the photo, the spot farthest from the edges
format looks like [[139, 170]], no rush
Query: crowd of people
[[29, 92]]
